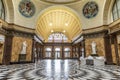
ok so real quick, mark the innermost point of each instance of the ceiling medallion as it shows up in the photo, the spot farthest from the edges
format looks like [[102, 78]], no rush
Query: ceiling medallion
[[26, 8], [90, 9]]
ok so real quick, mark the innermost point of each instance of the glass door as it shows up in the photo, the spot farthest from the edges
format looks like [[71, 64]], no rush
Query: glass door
[[48, 52], [67, 52], [57, 52]]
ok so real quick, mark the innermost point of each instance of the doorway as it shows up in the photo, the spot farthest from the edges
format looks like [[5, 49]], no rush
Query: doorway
[[48, 52], [57, 52], [67, 52]]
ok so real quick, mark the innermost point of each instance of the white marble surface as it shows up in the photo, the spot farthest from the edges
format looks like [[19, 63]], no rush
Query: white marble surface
[[58, 70], [97, 61]]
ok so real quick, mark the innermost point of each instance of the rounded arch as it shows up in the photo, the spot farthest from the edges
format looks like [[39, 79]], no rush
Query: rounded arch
[[58, 6], [66, 33], [48, 49], [2, 10], [107, 17], [66, 11], [61, 37], [9, 11]]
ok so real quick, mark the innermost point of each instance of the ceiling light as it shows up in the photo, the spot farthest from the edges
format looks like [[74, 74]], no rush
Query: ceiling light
[[66, 24], [50, 24], [64, 31], [52, 31]]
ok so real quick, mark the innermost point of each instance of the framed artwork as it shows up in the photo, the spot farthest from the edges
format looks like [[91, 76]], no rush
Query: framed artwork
[[26, 8], [90, 9]]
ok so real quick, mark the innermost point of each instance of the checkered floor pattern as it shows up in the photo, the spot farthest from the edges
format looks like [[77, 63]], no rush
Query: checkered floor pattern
[[58, 70]]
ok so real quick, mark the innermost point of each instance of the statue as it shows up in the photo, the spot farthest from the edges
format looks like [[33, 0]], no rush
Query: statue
[[93, 47], [23, 50]]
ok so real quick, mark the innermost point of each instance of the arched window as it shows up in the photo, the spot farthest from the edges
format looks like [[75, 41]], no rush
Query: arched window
[[57, 37], [116, 10], [48, 52], [2, 10], [67, 52]]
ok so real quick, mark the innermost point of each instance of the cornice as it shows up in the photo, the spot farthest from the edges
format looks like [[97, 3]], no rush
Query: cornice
[[20, 28], [95, 29], [114, 26], [12, 26]]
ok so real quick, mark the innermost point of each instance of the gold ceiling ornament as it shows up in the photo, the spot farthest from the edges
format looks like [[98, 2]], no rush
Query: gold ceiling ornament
[[59, 19]]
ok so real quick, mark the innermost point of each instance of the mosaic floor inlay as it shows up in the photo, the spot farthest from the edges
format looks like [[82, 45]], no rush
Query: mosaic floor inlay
[[58, 70]]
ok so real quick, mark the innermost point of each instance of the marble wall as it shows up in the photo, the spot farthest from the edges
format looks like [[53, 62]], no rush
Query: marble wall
[[113, 53], [16, 48], [1, 52], [118, 41], [1, 47], [99, 46]]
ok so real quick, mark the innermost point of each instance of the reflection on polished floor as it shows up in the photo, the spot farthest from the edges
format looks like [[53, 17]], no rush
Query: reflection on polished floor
[[58, 70]]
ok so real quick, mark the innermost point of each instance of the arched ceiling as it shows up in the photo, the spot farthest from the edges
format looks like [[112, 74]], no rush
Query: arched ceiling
[[60, 1], [58, 19], [107, 11]]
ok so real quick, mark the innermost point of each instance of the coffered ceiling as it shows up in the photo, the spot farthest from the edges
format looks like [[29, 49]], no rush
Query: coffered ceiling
[[58, 19]]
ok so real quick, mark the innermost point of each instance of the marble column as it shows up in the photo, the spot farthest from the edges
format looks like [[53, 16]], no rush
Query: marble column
[[7, 49], [108, 53], [63, 52], [116, 49]]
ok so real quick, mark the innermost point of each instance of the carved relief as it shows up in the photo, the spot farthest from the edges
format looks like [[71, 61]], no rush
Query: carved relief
[[26, 8], [90, 9]]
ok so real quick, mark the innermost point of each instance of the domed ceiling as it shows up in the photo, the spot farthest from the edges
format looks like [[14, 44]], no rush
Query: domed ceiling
[[60, 1], [58, 19]]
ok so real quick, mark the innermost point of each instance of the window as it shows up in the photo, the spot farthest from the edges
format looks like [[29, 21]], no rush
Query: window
[[67, 52], [57, 37], [48, 52], [116, 10]]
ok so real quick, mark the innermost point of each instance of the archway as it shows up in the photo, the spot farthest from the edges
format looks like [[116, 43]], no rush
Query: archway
[[58, 19]]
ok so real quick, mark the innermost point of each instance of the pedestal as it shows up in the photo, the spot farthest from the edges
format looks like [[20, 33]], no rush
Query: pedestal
[[96, 61], [83, 61], [89, 61], [22, 57]]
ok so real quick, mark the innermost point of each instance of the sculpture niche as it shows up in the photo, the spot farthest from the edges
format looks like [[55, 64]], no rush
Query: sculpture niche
[[94, 51], [22, 55], [23, 49]]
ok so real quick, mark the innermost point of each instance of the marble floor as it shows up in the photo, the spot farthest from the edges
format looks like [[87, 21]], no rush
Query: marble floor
[[58, 70]]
